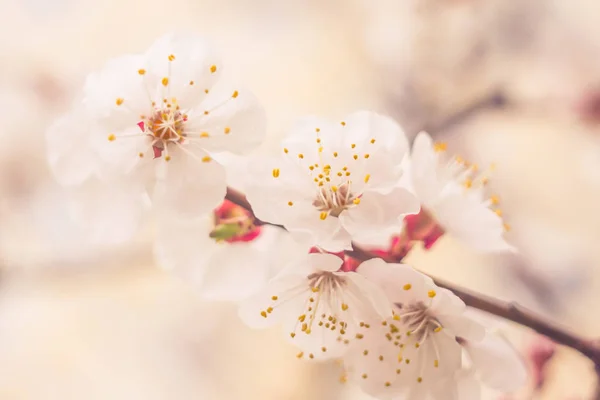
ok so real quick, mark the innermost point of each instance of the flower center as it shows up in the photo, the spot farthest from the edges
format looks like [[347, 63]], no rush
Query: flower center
[[333, 200], [165, 125], [418, 322]]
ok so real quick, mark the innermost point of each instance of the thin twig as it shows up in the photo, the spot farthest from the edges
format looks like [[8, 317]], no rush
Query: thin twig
[[507, 310]]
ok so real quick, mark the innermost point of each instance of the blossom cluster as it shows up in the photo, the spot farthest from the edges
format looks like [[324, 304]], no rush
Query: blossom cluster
[[152, 135]]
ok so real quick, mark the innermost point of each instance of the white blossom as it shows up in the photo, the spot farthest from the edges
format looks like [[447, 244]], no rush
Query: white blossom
[[224, 260], [452, 193], [322, 309], [416, 351], [334, 181], [156, 118]]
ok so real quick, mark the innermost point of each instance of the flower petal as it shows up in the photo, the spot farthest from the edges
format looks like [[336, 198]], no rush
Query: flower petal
[[401, 283], [190, 63], [497, 362], [379, 213], [189, 186]]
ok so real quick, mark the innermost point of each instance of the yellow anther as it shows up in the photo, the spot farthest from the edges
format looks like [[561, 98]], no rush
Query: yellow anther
[[396, 317], [334, 188], [206, 91], [366, 353], [141, 71], [314, 289], [270, 310], [290, 203], [293, 335], [191, 83], [468, 183], [347, 173], [343, 123], [360, 336], [304, 327], [343, 378], [274, 298], [168, 158], [495, 199], [400, 358], [367, 155], [408, 286], [417, 345], [440, 146], [206, 159], [438, 329], [323, 215], [353, 145], [356, 201], [119, 101], [285, 150], [165, 81], [407, 361], [398, 371], [111, 137], [302, 318], [141, 155], [171, 57], [311, 356], [506, 227], [264, 314], [367, 177], [275, 172], [335, 153], [344, 306], [204, 135], [431, 293], [213, 69], [388, 384], [300, 355], [235, 94], [436, 363], [227, 130], [318, 140], [206, 112], [300, 155], [498, 212], [364, 376], [419, 379], [355, 156], [323, 349], [380, 358]]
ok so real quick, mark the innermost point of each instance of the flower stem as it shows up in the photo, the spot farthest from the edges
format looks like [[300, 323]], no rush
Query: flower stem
[[507, 310]]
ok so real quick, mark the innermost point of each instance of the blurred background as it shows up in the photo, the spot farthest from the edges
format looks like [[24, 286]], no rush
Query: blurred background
[[516, 83]]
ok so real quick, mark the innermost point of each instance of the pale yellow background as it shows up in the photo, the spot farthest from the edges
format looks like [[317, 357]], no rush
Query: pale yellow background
[[81, 322]]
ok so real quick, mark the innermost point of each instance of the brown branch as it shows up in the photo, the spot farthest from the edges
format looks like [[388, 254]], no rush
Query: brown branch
[[507, 310]]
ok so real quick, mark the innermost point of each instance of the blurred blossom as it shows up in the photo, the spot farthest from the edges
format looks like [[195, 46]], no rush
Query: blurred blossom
[[225, 256]]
